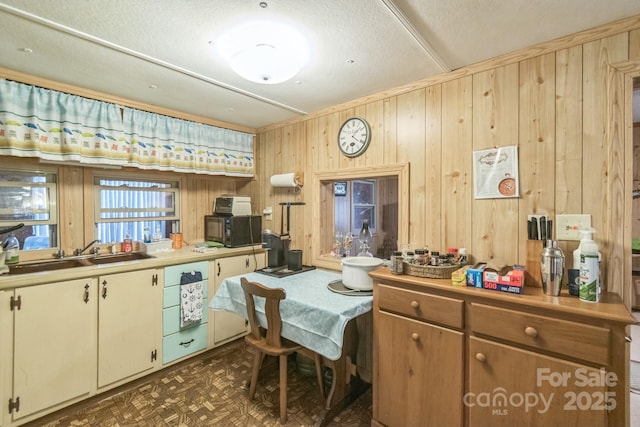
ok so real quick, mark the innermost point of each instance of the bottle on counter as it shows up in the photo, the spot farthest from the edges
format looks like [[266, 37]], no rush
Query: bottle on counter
[[397, 260], [157, 236], [127, 244], [12, 246], [147, 235], [462, 256]]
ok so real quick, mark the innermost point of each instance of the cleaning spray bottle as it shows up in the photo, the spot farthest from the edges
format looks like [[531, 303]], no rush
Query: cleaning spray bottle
[[589, 261]]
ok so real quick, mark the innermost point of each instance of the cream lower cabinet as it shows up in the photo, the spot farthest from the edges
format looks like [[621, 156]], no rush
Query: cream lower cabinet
[[54, 346], [228, 326], [130, 325]]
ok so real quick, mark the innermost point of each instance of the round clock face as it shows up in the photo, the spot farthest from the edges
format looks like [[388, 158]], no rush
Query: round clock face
[[354, 137]]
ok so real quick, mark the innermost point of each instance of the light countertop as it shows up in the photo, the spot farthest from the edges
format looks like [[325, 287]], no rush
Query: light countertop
[[160, 260]]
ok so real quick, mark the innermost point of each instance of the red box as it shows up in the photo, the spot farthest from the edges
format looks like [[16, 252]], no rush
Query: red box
[[509, 279]]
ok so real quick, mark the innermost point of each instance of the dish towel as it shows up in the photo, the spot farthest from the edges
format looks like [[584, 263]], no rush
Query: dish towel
[[190, 298]]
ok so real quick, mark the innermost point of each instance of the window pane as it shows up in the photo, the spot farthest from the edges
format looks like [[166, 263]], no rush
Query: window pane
[[29, 198], [133, 208]]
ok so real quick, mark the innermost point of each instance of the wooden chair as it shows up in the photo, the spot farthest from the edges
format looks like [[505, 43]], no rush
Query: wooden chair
[[271, 343]]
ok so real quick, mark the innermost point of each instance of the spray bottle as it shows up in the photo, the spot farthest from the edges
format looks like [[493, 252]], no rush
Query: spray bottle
[[589, 262]]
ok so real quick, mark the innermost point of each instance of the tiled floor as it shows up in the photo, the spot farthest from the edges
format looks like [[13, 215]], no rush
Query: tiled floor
[[210, 390]]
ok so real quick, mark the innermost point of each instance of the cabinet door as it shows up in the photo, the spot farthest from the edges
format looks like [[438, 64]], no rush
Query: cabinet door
[[226, 326], [54, 344], [514, 387], [130, 324], [420, 377]]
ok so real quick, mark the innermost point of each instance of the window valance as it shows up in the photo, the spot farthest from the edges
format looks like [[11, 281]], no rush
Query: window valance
[[50, 125]]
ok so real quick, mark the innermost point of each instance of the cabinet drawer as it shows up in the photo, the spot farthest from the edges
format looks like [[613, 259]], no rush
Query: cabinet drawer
[[171, 318], [184, 343], [590, 343], [171, 294], [433, 308], [172, 273]]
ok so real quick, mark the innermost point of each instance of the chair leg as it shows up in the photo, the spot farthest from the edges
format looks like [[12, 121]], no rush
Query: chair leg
[[283, 389], [318, 360], [257, 361]]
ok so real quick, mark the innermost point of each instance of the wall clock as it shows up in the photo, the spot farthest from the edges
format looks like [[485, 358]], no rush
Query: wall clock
[[354, 137]]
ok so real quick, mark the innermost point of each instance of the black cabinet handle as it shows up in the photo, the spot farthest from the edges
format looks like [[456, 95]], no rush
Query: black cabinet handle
[[104, 289], [86, 294], [187, 343]]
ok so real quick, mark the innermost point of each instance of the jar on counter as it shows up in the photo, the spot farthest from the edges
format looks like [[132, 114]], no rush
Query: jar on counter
[[462, 256], [419, 258], [410, 258], [435, 258], [397, 260]]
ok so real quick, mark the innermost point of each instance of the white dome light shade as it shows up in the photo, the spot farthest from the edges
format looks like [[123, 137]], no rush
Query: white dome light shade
[[264, 52]]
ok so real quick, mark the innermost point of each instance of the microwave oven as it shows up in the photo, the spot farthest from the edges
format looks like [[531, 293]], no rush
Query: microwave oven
[[233, 231]]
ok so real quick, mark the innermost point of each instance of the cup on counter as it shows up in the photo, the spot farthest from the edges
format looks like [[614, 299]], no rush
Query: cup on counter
[[176, 240], [295, 260]]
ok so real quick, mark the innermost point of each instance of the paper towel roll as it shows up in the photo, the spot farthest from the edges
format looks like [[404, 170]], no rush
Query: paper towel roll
[[285, 180]]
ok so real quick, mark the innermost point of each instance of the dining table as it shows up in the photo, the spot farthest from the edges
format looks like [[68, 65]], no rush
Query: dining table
[[320, 314]]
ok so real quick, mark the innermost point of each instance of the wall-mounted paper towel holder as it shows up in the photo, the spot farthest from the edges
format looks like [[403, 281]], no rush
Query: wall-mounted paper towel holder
[[293, 179]]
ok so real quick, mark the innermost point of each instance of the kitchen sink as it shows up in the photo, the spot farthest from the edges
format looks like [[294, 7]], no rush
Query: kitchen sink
[[72, 262], [37, 267], [108, 259]]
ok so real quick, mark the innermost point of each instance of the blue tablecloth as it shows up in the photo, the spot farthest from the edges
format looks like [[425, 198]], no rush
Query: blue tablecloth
[[312, 315]]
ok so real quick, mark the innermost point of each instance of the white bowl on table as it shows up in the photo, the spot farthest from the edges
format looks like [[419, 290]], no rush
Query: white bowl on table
[[355, 272]]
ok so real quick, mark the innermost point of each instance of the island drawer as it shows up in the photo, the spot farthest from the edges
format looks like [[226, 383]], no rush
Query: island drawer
[[432, 308], [587, 342], [184, 343]]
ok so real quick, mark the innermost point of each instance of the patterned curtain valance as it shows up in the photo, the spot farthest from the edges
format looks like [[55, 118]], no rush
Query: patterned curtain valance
[[36, 122], [165, 143], [50, 125]]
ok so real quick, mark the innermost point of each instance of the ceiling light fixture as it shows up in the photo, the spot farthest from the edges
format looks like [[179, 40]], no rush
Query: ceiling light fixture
[[264, 52]]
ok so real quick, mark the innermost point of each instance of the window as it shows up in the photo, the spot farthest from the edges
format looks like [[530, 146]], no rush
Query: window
[[345, 198], [363, 205], [133, 207], [30, 198]]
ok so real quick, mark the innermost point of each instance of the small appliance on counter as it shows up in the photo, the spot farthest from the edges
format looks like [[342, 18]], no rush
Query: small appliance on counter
[[233, 231], [228, 205]]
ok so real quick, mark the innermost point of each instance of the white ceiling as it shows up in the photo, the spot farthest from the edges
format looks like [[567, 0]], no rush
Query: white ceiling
[[123, 47]]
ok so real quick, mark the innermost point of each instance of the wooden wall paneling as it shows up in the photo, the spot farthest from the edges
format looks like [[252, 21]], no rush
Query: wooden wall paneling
[[457, 168], [597, 56], [536, 143], [620, 181], [634, 44], [190, 210], [568, 164], [293, 160], [433, 158], [76, 229], [411, 148], [390, 131], [375, 154], [495, 124]]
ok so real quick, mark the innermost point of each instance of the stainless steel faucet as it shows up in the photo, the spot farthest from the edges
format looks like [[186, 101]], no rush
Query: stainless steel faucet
[[81, 251]]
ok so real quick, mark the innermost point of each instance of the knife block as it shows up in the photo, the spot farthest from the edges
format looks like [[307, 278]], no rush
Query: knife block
[[533, 270]]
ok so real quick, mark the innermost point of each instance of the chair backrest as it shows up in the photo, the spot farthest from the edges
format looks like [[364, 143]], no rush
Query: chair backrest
[[272, 297]]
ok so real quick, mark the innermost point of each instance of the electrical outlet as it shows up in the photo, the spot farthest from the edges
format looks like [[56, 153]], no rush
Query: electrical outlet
[[565, 226]]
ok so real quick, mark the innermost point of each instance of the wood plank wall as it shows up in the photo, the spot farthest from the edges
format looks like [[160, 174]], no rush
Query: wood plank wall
[[559, 102], [564, 103]]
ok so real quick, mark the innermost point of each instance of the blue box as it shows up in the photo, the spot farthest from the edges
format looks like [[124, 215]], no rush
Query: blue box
[[474, 275]]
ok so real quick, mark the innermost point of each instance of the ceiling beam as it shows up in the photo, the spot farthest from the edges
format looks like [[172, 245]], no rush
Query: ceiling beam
[[408, 26]]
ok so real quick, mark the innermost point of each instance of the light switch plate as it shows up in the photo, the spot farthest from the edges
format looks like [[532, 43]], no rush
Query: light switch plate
[[565, 225]]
